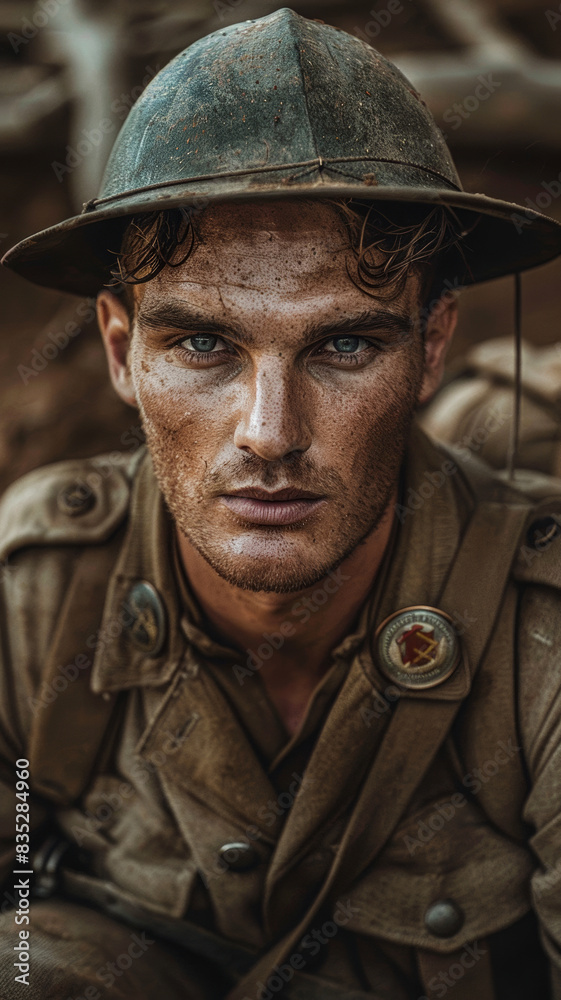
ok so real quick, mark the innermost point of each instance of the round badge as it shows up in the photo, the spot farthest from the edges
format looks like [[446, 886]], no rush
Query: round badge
[[147, 625], [417, 647]]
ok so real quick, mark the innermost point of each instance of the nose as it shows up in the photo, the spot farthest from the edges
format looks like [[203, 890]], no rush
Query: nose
[[274, 420]]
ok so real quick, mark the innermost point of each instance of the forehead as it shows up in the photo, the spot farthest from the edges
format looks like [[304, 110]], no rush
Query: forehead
[[290, 218], [268, 251], [301, 236]]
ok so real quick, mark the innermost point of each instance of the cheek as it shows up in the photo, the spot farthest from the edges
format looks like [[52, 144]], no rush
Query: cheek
[[187, 426], [164, 394], [370, 419]]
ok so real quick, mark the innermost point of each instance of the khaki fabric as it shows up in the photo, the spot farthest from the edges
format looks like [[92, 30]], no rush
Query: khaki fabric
[[78, 954], [193, 760]]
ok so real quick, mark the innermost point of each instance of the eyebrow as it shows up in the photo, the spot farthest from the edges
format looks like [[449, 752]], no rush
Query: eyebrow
[[180, 316]]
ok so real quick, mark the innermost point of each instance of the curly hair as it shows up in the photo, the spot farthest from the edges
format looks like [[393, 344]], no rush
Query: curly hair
[[388, 243]]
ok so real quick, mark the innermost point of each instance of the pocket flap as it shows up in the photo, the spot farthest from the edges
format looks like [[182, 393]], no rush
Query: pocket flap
[[446, 877]]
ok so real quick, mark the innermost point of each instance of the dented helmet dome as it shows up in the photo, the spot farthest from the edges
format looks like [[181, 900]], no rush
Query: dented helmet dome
[[280, 107]]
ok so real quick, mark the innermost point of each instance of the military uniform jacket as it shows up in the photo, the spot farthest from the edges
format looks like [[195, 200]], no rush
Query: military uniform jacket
[[418, 845]]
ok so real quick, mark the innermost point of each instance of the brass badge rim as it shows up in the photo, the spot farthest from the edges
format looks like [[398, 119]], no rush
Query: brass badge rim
[[414, 682]]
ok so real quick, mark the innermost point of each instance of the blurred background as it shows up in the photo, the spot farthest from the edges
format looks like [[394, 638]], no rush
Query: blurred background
[[490, 72]]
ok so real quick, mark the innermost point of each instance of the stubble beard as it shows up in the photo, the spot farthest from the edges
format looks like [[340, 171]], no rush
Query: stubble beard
[[294, 565]]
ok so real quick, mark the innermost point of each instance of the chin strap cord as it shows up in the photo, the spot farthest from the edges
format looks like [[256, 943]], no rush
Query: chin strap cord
[[515, 423]]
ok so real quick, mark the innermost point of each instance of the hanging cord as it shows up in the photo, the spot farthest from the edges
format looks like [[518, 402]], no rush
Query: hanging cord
[[515, 424]]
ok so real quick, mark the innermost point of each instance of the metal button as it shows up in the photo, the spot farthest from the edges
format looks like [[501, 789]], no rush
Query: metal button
[[238, 856], [146, 623], [542, 532], [76, 499], [444, 918]]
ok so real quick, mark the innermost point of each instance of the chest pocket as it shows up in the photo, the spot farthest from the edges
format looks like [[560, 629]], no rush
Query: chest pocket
[[447, 877]]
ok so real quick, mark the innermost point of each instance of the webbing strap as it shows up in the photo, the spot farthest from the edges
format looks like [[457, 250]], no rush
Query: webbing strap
[[417, 727]]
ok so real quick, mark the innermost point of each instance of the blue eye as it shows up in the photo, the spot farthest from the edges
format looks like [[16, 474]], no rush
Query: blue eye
[[346, 345], [203, 343]]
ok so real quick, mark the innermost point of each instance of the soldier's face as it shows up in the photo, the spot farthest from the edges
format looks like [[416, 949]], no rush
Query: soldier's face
[[258, 366]]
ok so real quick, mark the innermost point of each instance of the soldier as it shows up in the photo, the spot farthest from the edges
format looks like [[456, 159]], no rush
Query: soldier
[[283, 687]]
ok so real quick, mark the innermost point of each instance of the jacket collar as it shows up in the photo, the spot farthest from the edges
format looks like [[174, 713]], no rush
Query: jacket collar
[[146, 555], [435, 504]]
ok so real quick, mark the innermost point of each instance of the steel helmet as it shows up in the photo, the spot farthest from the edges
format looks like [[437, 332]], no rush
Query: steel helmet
[[280, 106]]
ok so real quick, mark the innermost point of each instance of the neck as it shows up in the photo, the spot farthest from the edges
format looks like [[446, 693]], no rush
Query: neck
[[304, 625]]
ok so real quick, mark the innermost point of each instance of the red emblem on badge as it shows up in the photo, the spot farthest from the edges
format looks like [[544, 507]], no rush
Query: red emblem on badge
[[418, 646]]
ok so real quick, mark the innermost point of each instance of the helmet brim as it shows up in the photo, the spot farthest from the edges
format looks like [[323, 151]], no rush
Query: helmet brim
[[77, 255]]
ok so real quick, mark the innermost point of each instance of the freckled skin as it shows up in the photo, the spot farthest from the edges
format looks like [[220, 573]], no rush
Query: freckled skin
[[273, 412], [273, 416]]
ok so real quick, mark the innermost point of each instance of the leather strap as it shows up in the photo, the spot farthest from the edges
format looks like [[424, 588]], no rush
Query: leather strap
[[224, 954], [107, 897], [418, 727]]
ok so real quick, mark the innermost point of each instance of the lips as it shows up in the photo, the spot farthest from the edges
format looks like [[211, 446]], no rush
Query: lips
[[272, 507]]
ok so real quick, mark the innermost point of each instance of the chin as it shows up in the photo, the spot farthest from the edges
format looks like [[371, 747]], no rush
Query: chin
[[269, 579], [252, 564]]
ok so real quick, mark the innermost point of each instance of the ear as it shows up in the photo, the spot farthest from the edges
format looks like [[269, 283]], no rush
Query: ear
[[441, 324], [114, 324]]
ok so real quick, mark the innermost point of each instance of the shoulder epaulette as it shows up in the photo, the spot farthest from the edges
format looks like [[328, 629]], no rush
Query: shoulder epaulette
[[76, 502]]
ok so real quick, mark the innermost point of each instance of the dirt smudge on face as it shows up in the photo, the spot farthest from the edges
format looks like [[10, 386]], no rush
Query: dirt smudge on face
[[268, 410]]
